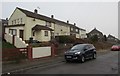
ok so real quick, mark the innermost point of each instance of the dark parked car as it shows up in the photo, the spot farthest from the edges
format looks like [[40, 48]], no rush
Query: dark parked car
[[115, 47], [80, 52]]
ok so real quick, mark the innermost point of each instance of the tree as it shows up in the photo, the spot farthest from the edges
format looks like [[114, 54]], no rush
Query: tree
[[94, 38]]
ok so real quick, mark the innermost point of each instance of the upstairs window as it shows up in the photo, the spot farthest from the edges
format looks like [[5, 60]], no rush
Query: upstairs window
[[15, 21], [18, 21], [77, 30], [21, 20], [48, 24], [71, 29], [98, 34], [12, 22]]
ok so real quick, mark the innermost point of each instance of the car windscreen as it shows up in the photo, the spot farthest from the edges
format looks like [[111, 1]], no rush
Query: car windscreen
[[77, 47]]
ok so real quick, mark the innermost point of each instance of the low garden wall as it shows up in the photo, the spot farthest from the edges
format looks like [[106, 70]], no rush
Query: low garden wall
[[38, 52]]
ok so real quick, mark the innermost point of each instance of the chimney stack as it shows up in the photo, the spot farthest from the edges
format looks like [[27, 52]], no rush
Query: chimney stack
[[36, 11], [67, 21], [52, 16], [74, 23], [7, 19]]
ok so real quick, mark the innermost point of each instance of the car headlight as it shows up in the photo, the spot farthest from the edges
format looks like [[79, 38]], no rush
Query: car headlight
[[77, 53], [65, 52]]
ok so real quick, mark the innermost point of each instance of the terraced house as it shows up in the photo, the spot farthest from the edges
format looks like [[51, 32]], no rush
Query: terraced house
[[26, 24]]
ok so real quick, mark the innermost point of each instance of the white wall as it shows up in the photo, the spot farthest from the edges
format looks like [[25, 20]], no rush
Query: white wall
[[45, 38], [17, 14], [65, 30], [39, 52], [19, 43], [82, 34], [8, 38], [40, 35], [7, 30], [30, 24]]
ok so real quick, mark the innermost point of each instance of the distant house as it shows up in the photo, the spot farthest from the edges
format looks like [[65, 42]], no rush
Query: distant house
[[26, 24], [4, 22], [112, 39], [77, 32], [95, 32]]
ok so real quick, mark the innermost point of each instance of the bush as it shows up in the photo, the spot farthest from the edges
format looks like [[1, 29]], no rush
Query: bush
[[65, 39], [40, 44]]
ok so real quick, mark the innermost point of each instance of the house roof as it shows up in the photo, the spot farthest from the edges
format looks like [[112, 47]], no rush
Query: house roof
[[4, 21], [41, 27], [16, 25], [39, 16], [95, 30], [113, 37], [110, 36]]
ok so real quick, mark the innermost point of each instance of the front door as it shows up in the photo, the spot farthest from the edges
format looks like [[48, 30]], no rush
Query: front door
[[21, 34]]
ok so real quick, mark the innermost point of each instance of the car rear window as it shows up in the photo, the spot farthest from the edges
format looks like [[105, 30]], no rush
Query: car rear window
[[80, 47]]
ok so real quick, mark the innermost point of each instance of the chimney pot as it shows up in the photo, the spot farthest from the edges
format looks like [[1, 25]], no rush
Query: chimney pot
[[7, 19], [52, 16], [67, 21], [74, 23]]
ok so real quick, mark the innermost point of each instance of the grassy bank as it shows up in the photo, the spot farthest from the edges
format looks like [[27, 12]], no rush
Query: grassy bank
[[7, 45], [102, 45]]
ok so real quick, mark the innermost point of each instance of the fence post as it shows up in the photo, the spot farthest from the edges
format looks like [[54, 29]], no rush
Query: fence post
[[29, 52], [52, 50], [3, 36], [13, 40]]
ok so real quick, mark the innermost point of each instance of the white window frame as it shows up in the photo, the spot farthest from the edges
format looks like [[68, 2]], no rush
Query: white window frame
[[13, 31], [45, 33], [76, 30]]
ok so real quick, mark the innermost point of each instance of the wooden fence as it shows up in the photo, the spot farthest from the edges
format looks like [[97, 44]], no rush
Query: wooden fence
[[9, 54]]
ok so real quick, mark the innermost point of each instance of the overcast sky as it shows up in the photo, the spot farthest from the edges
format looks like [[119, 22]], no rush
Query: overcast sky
[[87, 15]]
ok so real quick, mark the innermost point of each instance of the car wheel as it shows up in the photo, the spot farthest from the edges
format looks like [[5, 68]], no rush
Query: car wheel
[[94, 56], [82, 59]]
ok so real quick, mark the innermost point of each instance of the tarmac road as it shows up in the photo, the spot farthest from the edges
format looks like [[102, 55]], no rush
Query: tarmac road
[[104, 64]]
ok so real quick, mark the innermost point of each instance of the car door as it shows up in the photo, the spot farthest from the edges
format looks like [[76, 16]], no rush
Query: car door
[[87, 51], [91, 50]]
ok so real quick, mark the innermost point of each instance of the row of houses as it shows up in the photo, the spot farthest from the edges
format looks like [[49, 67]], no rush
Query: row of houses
[[26, 24]]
